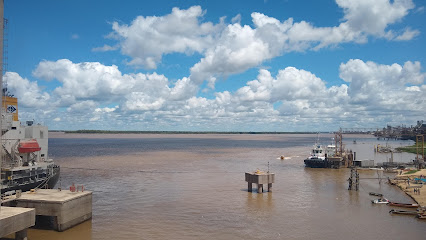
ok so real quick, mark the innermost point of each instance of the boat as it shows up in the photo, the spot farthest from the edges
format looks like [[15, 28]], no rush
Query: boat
[[405, 205], [320, 156], [316, 158], [375, 194], [380, 200], [25, 163], [396, 211]]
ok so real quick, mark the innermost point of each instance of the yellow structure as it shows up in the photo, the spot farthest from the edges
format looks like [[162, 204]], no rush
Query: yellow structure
[[10, 105]]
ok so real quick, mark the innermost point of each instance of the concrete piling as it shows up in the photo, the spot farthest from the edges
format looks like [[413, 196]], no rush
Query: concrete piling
[[21, 235], [67, 208], [16, 220]]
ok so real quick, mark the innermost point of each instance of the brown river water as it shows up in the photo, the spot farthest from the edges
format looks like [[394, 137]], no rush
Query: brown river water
[[192, 187]]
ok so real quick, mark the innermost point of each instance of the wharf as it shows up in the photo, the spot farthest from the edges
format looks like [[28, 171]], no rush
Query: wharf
[[16, 220], [408, 186], [65, 207]]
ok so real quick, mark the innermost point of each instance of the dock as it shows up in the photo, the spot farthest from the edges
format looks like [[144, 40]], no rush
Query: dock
[[15, 220], [260, 178], [65, 208]]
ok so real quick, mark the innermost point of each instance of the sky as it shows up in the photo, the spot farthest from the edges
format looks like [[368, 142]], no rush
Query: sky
[[264, 65]]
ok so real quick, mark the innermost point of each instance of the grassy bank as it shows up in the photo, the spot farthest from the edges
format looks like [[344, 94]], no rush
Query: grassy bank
[[412, 149]]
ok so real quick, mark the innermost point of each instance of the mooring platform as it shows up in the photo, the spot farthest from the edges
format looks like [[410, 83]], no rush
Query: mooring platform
[[260, 178], [16, 220], [67, 208]]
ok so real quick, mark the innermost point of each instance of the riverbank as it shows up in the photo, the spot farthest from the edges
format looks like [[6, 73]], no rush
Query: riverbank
[[413, 148], [406, 183]]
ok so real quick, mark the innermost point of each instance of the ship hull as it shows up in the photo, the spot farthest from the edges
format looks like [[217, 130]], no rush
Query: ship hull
[[51, 182], [315, 163]]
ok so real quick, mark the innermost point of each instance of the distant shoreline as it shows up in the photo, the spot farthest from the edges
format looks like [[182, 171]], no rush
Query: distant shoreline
[[175, 132]]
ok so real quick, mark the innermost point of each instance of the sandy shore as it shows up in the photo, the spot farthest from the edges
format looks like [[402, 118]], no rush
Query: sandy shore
[[401, 180]]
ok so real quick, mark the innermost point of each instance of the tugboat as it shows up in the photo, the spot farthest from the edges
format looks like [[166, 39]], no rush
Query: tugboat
[[24, 163], [329, 156], [317, 157]]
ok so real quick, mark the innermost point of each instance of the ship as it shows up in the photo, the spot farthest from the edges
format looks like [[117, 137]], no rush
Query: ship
[[321, 157], [317, 157], [25, 163]]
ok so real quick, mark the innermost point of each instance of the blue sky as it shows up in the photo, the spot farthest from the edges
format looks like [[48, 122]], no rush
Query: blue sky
[[217, 65]]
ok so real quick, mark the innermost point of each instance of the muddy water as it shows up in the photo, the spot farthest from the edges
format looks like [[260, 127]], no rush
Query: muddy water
[[192, 187]]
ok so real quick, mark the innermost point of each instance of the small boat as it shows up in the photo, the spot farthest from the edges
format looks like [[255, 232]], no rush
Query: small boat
[[395, 211], [380, 200], [375, 194], [405, 205], [421, 216]]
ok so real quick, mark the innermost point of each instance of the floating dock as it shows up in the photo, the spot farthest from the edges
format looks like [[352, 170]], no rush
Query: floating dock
[[65, 207], [16, 220]]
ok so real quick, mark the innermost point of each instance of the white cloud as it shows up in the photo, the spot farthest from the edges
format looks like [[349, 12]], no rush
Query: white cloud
[[143, 102], [413, 89], [105, 48], [373, 17], [95, 118], [85, 84], [242, 47], [381, 87], [236, 19], [28, 92], [408, 34], [146, 39], [106, 109], [373, 93], [75, 36], [83, 106], [87, 80], [420, 10], [234, 48], [237, 49]]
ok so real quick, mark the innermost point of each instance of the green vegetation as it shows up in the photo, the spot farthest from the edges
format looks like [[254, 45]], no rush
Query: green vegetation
[[412, 149], [411, 172]]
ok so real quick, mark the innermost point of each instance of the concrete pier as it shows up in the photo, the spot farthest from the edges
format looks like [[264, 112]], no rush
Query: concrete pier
[[260, 178], [16, 220], [67, 208]]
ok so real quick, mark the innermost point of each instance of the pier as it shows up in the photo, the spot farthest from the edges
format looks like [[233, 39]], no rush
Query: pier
[[260, 178], [14, 220], [65, 207]]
